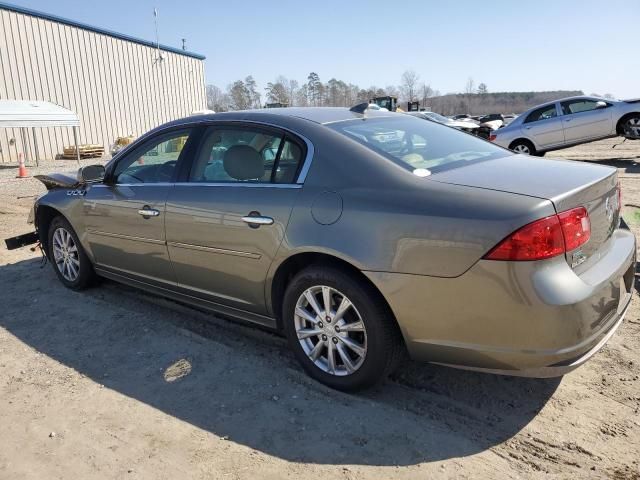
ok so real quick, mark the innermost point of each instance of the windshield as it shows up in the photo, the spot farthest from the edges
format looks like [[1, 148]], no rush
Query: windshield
[[418, 145]]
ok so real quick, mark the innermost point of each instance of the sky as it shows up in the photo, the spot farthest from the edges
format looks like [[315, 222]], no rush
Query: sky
[[508, 45]]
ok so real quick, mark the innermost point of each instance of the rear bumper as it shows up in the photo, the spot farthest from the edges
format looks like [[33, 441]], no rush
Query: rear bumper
[[553, 370], [536, 319]]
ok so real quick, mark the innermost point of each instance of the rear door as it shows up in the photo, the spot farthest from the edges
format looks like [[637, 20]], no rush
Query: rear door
[[583, 119], [544, 127], [226, 222], [125, 216]]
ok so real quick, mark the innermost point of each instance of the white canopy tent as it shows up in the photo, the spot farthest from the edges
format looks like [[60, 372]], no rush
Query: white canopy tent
[[34, 113]]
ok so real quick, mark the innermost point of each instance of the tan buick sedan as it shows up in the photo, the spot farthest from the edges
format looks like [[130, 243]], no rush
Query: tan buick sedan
[[361, 235]]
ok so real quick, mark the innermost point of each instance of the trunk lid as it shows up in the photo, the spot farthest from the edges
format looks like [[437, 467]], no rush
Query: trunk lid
[[567, 184]]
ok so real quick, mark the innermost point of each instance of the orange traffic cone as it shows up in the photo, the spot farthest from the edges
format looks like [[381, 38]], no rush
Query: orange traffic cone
[[22, 170]]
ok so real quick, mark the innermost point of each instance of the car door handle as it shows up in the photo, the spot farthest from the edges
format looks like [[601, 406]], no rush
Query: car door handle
[[567, 119], [257, 220], [148, 212]]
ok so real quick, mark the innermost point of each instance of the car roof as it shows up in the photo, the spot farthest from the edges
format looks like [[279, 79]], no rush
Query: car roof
[[321, 115]]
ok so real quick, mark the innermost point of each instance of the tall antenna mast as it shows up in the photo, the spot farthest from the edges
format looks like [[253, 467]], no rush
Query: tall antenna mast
[[159, 56]]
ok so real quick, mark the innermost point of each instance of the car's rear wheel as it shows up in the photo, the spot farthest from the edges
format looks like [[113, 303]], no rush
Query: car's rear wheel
[[340, 329], [523, 146], [631, 126], [68, 258]]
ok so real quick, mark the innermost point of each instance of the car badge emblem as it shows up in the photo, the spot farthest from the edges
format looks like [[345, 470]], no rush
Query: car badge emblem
[[608, 208], [577, 258]]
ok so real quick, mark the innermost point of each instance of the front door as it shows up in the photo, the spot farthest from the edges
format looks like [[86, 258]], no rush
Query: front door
[[125, 216], [225, 224], [544, 127]]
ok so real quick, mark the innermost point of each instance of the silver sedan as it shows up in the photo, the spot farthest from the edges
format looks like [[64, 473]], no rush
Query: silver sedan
[[568, 122]]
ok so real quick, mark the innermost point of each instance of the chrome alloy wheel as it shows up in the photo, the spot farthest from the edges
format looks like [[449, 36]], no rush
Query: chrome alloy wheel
[[522, 148], [330, 330], [65, 254]]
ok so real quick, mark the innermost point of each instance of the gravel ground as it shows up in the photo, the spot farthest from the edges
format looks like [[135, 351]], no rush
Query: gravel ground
[[115, 383]]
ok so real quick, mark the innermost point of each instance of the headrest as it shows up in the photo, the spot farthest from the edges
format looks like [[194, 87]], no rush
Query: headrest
[[243, 162]]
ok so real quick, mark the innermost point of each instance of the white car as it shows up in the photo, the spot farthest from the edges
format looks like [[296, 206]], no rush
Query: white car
[[568, 122], [465, 125]]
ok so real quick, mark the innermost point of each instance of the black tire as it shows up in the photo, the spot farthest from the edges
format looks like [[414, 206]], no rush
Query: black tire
[[384, 343], [629, 125], [85, 273], [524, 147]]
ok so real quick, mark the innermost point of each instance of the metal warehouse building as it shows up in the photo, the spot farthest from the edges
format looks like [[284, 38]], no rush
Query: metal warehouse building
[[118, 85]]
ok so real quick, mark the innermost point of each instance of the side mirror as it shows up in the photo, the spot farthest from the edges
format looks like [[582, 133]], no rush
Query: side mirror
[[601, 104], [91, 174]]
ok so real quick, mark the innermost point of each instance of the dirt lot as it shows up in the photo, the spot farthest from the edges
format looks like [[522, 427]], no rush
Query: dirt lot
[[115, 383]]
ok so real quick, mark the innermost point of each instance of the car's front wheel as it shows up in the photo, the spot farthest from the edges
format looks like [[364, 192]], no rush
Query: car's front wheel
[[340, 329], [68, 258]]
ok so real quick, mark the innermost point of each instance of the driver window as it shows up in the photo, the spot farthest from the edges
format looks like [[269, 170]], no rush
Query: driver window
[[155, 162]]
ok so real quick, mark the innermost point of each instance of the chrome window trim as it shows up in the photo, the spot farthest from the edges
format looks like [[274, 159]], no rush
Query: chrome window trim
[[204, 184], [115, 185], [306, 164], [238, 184]]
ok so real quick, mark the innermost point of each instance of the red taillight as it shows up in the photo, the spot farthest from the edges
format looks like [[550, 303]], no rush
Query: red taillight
[[492, 137], [535, 241], [545, 238], [576, 227]]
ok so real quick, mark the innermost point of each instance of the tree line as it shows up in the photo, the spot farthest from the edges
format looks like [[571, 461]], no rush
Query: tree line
[[475, 100]]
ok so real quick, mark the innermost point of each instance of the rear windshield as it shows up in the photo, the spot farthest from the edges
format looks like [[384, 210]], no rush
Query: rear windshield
[[423, 147]]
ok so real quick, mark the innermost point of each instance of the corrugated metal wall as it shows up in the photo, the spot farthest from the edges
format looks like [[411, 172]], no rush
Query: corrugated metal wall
[[116, 87]]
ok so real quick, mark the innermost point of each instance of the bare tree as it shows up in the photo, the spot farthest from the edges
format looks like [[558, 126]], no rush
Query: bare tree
[[217, 100], [482, 89], [427, 92], [392, 91], [292, 87], [470, 86], [409, 85]]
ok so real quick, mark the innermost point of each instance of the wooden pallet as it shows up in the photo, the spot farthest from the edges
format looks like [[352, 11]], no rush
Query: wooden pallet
[[85, 151]]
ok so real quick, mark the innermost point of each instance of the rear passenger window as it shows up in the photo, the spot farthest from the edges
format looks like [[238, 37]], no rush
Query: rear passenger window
[[290, 159], [543, 113], [231, 155]]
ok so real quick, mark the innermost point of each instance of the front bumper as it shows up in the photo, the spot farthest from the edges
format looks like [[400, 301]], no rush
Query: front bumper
[[535, 319]]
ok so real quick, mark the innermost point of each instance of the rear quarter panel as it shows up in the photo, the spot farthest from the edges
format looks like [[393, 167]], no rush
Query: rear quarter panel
[[394, 221]]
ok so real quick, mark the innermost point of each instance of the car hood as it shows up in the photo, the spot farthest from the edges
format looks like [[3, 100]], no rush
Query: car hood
[[545, 178], [58, 180]]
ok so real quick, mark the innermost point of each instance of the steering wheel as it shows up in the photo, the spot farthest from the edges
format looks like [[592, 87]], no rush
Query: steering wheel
[[407, 145], [165, 171]]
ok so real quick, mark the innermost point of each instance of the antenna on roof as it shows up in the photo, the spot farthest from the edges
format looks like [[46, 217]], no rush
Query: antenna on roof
[[360, 108], [159, 54]]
